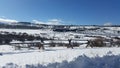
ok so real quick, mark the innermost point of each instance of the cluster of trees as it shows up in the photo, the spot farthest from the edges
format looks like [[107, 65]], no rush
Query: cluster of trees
[[22, 25], [65, 30], [6, 37], [95, 43], [100, 42]]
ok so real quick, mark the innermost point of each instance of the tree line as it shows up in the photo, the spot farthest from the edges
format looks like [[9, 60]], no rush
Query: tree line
[[6, 37]]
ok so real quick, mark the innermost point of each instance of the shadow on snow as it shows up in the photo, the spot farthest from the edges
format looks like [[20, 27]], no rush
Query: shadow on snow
[[80, 62]]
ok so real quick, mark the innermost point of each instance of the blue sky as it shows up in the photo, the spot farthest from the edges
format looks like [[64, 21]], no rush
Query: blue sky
[[81, 12]]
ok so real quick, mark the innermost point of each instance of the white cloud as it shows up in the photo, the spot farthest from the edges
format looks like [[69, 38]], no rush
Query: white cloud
[[51, 22], [37, 22], [54, 22], [7, 21], [108, 24]]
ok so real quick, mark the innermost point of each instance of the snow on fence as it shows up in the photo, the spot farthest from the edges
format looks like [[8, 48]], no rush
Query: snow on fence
[[47, 43]]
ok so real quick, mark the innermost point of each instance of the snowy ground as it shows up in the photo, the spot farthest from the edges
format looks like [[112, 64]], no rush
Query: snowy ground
[[29, 31], [58, 55]]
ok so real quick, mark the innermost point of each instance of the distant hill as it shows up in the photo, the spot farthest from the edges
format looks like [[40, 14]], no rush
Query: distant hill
[[29, 25]]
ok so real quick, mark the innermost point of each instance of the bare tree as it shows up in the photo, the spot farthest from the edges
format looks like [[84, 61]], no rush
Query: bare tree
[[70, 44], [96, 43]]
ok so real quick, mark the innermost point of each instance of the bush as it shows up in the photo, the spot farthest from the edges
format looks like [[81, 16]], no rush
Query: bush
[[75, 44], [96, 43], [52, 44]]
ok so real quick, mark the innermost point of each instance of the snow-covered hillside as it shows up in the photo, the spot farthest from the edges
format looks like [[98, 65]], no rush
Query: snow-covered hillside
[[60, 56], [51, 57]]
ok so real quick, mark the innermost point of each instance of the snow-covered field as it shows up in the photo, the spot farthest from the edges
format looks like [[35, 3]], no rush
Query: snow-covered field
[[29, 31], [57, 56]]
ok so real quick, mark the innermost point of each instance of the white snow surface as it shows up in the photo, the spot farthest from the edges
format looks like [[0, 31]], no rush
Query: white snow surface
[[50, 55], [29, 31], [58, 57]]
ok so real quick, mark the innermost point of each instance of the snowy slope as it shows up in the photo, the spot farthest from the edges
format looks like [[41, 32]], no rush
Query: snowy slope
[[61, 57], [50, 55], [29, 31]]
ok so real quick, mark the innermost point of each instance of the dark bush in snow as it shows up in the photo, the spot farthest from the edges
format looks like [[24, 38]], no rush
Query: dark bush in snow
[[6, 37], [115, 41], [75, 44], [96, 43], [52, 44]]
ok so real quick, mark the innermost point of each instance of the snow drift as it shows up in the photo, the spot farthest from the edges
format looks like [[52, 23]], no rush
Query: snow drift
[[80, 62]]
